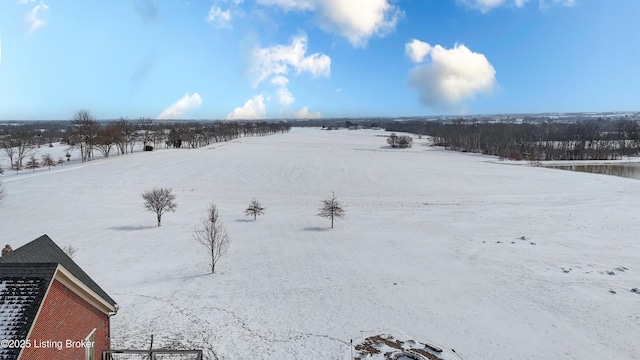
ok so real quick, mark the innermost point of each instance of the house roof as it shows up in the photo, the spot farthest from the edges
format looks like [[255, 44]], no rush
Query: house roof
[[22, 289], [44, 250]]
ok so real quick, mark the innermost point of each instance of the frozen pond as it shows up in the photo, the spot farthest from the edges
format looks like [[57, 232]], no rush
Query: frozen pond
[[628, 170]]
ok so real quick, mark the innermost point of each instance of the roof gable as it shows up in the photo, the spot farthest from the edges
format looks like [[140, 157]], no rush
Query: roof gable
[[44, 250]]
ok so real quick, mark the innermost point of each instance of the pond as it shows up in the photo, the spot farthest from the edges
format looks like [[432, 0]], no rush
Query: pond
[[628, 170]]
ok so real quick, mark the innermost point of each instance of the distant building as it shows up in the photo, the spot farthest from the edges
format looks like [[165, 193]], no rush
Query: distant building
[[49, 307]]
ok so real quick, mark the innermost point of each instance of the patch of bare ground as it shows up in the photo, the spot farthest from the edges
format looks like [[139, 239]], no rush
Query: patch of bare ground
[[393, 348], [426, 354]]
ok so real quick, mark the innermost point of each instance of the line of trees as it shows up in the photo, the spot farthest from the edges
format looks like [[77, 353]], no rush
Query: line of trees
[[596, 139], [88, 135]]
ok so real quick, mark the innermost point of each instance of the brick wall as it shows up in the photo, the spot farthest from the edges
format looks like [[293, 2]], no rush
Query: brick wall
[[66, 317]]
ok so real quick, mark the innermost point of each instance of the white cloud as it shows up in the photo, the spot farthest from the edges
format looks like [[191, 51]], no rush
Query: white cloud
[[279, 80], [290, 4], [219, 18], [417, 50], [32, 18], [25, 1], [487, 5], [178, 108], [305, 114], [452, 75], [356, 20], [285, 97], [567, 3], [253, 109], [277, 60]]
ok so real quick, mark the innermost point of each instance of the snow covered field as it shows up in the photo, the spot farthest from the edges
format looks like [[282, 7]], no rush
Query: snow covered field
[[462, 251]]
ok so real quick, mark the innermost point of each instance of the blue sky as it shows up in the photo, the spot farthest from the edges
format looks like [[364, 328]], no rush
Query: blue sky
[[256, 59]]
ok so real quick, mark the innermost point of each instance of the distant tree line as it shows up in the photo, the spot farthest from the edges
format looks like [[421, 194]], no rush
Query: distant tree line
[[88, 134], [19, 140], [596, 139]]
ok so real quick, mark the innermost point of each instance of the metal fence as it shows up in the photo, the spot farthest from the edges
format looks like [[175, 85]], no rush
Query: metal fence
[[152, 355]]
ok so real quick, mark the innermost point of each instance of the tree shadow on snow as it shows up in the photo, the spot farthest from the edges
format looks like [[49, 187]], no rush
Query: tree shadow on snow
[[244, 220], [316, 228], [187, 277], [131, 227]]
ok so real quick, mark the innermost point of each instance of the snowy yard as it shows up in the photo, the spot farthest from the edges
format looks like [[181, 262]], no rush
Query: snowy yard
[[456, 250]]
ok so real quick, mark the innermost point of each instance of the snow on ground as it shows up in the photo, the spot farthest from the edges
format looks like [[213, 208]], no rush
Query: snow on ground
[[456, 250]]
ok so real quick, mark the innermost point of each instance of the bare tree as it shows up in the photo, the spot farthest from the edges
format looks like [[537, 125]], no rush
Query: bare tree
[[85, 132], [404, 141], [146, 125], [70, 250], [18, 146], [331, 209], [254, 209], [159, 200], [108, 137], [126, 130], [213, 235], [33, 163], [1, 170], [393, 140], [47, 160]]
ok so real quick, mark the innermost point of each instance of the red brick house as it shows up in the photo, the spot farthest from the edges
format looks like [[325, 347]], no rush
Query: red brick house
[[49, 307]]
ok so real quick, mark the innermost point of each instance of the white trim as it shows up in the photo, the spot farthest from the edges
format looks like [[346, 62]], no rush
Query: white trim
[[90, 350], [66, 278]]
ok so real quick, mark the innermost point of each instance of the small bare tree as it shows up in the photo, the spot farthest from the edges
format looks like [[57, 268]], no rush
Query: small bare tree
[[33, 163], [331, 209], [47, 160], [254, 209], [70, 250], [159, 200], [213, 235]]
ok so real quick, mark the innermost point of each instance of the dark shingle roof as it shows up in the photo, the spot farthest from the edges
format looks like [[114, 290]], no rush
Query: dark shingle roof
[[44, 250], [22, 289]]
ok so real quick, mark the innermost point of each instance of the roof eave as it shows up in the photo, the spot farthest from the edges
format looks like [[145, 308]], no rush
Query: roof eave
[[65, 277]]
